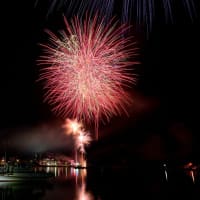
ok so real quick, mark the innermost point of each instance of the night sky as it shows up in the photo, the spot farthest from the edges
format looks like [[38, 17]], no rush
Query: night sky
[[166, 96]]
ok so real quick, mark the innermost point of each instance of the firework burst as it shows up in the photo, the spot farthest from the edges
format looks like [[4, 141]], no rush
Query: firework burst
[[87, 70], [82, 139], [72, 126], [138, 11]]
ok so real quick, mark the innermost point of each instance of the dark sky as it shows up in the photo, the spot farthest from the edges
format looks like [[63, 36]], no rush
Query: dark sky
[[168, 72]]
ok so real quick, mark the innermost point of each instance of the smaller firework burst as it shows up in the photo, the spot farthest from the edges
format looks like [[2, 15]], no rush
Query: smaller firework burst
[[82, 139], [72, 126]]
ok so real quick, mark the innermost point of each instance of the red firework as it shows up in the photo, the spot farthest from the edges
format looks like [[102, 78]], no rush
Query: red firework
[[86, 70]]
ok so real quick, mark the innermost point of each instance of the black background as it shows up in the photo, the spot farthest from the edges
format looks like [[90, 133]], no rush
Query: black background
[[168, 72]]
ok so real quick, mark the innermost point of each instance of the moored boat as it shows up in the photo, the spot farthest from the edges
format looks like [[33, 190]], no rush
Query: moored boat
[[26, 176]]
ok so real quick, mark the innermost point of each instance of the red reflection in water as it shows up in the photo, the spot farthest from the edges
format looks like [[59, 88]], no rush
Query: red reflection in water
[[82, 193], [78, 175]]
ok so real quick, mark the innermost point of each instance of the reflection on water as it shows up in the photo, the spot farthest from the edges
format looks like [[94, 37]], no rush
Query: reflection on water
[[68, 183], [157, 182], [14, 190]]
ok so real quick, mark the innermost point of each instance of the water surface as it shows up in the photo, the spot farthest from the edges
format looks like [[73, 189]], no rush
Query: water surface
[[106, 184]]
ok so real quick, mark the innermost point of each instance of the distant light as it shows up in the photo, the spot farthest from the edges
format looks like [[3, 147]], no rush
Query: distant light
[[76, 171]]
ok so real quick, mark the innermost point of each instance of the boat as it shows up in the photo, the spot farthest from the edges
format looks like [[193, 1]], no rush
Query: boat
[[26, 176], [10, 172]]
